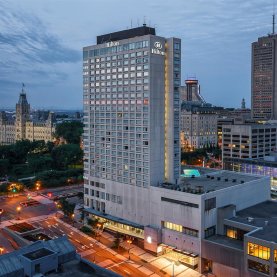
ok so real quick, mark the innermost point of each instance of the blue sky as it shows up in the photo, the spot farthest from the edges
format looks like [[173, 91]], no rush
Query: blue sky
[[41, 43]]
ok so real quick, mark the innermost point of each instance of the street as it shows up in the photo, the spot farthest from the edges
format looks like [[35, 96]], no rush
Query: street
[[41, 212]]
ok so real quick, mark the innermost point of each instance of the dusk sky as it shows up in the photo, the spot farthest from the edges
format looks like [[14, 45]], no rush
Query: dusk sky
[[41, 43]]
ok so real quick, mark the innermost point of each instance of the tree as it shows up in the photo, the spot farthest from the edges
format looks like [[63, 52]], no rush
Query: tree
[[20, 150], [39, 162], [92, 222], [116, 241], [70, 131], [67, 154], [67, 208], [4, 167]]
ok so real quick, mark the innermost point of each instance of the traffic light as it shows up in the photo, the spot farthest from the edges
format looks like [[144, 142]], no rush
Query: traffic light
[[14, 189]]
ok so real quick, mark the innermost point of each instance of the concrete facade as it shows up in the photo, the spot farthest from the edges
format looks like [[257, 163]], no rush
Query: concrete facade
[[179, 217], [131, 117], [248, 140], [198, 128]]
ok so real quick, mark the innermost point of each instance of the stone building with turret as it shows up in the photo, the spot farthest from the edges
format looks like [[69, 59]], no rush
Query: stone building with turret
[[23, 127]]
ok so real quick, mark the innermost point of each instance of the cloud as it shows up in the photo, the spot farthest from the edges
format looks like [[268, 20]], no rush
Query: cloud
[[27, 49], [41, 41], [25, 34]]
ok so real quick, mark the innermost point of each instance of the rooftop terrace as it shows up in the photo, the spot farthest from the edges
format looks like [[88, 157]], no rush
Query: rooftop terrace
[[208, 180]]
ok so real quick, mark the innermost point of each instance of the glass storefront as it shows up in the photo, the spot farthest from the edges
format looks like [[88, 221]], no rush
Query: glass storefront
[[121, 228], [186, 258], [263, 168]]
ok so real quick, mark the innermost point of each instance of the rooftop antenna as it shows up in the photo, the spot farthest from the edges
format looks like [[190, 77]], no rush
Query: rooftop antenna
[[131, 23], [144, 18], [23, 86], [273, 18]]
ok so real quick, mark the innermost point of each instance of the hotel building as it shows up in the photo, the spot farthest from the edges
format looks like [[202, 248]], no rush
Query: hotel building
[[131, 116], [131, 144]]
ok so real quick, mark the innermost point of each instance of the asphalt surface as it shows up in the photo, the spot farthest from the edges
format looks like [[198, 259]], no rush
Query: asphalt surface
[[94, 252]]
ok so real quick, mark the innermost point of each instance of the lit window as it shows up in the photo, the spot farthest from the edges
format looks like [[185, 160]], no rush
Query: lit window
[[258, 251]]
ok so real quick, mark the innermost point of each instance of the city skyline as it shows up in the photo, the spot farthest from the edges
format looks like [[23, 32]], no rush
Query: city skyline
[[41, 45]]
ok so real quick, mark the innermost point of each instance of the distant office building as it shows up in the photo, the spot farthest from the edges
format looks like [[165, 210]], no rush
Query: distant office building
[[191, 91], [263, 78], [248, 140], [23, 127], [198, 127]]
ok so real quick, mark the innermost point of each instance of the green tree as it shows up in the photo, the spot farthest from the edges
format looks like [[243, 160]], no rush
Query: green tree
[[70, 131], [20, 150], [116, 241], [67, 208], [39, 162], [67, 154], [4, 167], [92, 222]]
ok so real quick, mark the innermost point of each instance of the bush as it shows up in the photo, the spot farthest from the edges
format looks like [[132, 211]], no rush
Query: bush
[[85, 230]]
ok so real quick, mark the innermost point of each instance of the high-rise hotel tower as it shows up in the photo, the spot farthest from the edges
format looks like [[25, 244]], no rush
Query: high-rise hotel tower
[[131, 82]]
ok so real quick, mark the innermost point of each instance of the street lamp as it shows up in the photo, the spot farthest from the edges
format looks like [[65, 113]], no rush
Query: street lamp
[[37, 186], [129, 241], [1, 211], [72, 216], [1, 250], [18, 208], [173, 268], [98, 225]]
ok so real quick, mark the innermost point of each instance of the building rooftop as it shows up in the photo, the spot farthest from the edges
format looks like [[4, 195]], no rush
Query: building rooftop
[[260, 161], [206, 180], [37, 254], [226, 241], [263, 216], [82, 269], [70, 264], [125, 34]]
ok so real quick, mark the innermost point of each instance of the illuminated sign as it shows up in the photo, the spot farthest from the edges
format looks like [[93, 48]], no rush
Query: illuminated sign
[[149, 239], [157, 49], [158, 45], [112, 43]]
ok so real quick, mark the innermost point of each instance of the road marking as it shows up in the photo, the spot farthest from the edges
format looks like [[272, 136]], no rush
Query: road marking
[[77, 241], [128, 272], [117, 264]]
